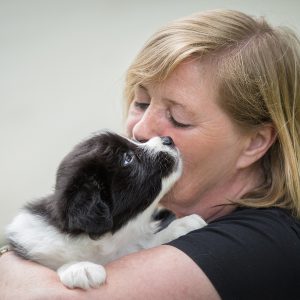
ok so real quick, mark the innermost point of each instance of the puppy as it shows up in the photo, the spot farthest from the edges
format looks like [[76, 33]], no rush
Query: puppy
[[106, 193]]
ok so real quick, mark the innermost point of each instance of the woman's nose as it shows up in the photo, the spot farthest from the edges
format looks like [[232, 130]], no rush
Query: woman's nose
[[147, 127]]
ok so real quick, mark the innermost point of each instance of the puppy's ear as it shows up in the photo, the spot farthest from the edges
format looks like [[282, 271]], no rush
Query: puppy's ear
[[87, 212]]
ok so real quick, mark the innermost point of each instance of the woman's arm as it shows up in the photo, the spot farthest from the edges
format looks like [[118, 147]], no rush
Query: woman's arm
[[24, 280], [160, 273]]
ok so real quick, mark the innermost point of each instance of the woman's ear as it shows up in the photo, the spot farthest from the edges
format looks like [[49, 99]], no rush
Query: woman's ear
[[256, 145]]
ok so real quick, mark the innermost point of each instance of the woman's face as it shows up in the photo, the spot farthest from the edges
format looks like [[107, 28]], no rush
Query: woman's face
[[184, 107]]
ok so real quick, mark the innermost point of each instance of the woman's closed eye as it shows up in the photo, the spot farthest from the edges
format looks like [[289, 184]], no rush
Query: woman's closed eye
[[175, 123], [141, 105]]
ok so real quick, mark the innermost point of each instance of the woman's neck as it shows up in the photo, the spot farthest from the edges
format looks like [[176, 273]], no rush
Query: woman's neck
[[219, 201]]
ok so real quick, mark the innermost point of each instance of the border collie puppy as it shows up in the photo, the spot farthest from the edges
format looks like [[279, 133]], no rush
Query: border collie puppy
[[106, 193]]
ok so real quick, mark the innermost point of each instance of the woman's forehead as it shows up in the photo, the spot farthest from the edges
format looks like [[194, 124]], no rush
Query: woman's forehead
[[189, 84]]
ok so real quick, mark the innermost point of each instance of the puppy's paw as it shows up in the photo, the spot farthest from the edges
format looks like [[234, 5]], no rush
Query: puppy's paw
[[82, 275], [185, 225]]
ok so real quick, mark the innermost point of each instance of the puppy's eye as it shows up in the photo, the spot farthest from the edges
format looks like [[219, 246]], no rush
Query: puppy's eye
[[127, 158]]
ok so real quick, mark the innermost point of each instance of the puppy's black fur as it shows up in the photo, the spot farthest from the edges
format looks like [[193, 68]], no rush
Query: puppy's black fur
[[102, 184]]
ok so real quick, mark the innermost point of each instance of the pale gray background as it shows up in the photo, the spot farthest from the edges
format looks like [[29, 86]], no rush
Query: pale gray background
[[62, 65]]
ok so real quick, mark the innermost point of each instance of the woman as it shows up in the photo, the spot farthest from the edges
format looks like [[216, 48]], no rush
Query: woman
[[226, 88]]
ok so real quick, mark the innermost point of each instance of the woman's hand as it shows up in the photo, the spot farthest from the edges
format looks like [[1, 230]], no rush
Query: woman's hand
[[24, 280]]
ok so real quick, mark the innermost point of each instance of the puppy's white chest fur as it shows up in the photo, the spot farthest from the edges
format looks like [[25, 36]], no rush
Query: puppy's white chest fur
[[78, 259]]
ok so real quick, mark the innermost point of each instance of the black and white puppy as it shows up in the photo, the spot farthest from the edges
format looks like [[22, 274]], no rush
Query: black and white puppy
[[107, 190]]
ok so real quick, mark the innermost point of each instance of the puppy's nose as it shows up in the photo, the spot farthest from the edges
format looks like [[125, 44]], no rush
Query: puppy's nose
[[167, 140]]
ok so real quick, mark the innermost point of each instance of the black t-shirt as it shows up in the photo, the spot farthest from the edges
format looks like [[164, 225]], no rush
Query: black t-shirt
[[249, 254]]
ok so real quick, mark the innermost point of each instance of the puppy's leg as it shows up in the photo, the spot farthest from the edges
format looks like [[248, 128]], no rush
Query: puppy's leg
[[82, 275], [178, 228]]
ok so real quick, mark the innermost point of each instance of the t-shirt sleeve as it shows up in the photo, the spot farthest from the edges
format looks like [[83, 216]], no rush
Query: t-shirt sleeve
[[250, 254]]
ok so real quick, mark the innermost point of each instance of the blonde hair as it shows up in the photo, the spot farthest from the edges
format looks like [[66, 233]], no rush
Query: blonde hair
[[257, 70]]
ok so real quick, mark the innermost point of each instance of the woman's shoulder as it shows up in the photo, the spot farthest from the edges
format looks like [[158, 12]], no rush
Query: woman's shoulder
[[258, 218], [261, 230], [248, 251]]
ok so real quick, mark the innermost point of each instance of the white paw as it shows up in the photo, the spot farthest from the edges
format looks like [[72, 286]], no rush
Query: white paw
[[186, 224], [82, 275]]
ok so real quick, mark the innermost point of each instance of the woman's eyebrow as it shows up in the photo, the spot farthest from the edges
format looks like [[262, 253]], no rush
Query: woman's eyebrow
[[183, 107], [142, 87], [173, 102]]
